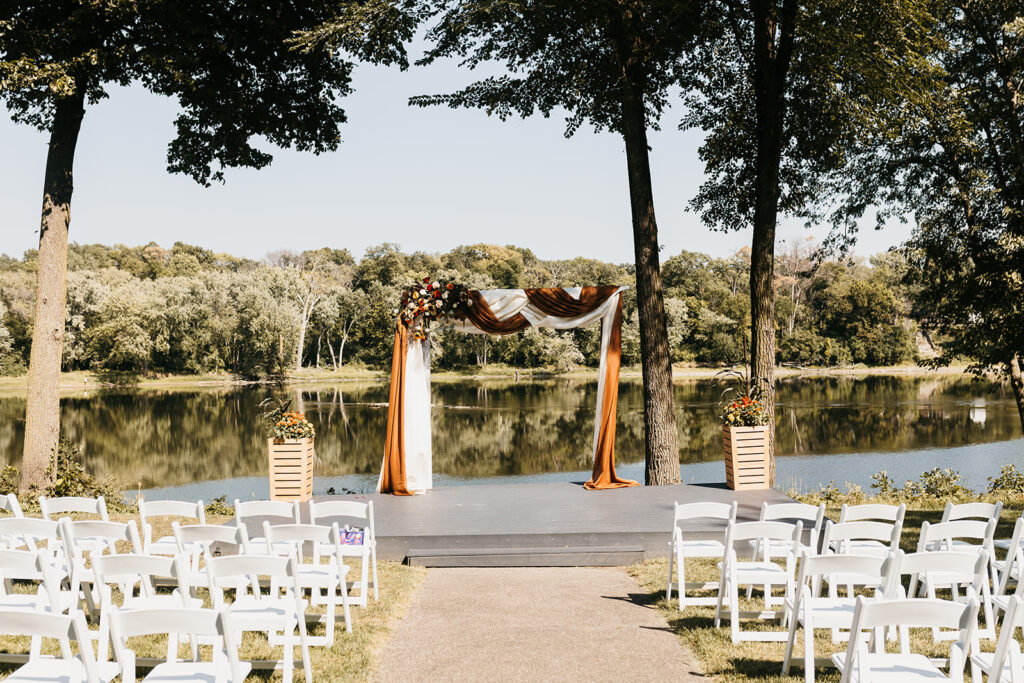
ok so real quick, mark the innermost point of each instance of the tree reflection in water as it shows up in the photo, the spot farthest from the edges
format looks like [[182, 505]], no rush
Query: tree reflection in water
[[499, 428]]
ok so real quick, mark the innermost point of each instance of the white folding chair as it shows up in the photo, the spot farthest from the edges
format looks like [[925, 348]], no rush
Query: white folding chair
[[10, 504], [763, 572], [281, 609], [979, 511], [868, 661], [141, 572], [809, 609], [36, 567], [1008, 568], [1000, 598], [253, 513], [1006, 663], [325, 582], [28, 533], [686, 514], [89, 539], [929, 571], [962, 535], [195, 541], [148, 510], [65, 668], [881, 526], [207, 624], [812, 517], [361, 516]]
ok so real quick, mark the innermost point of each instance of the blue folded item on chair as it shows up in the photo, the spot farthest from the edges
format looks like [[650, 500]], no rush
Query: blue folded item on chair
[[349, 536]]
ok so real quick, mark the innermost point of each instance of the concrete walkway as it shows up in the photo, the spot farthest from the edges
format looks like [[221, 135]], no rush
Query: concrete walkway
[[526, 624]]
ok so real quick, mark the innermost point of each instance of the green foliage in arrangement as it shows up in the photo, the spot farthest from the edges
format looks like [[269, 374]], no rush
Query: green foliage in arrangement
[[282, 423], [187, 310]]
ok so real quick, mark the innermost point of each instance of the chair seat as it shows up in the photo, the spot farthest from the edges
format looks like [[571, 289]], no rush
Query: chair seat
[[199, 672], [896, 668], [1004, 543], [319, 576], [864, 546], [262, 613], [831, 612], [158, 602], [759, 572], [168, 547], [705, 548], [52, 670]]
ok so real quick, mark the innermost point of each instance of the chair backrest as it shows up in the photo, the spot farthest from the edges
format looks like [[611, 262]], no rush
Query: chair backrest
[[251, 514], [205, 534], [343, 512], [186, 621], [813, 517], [856, 570], [942, 535], [1013, 620], [61, 627], [687, 511], [128, 571], [873, 511], [842, 532], [27, 530], [764, 531], [245, 571], [982, 511], [71, 531], [874, 615], [9, 503], [289, 539], [52, 507], [962, 567], [171, 508]]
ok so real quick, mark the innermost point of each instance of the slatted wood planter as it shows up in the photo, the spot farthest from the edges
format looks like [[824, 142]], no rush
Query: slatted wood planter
[[291, 469], [746, 457]]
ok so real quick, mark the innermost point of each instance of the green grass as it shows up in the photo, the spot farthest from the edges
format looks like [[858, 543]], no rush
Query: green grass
[[749, 662], [353, 655]]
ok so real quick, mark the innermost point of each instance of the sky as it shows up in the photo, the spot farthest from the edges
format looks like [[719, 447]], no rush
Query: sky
[[428, 179]]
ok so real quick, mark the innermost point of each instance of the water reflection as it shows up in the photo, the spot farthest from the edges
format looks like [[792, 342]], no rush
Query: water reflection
[[503, 428]]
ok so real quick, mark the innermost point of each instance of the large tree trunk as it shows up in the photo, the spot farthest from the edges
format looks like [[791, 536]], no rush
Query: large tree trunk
[[42, 413], [1017, 382], [773, 42], [661, 440]]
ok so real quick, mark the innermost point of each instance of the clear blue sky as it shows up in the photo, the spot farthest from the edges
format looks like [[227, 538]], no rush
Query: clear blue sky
[[429, 179]]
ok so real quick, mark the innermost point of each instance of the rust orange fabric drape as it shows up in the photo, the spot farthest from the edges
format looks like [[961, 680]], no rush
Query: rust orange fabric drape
[[392, 476], [558, 302], [483, 318], [603, 476]]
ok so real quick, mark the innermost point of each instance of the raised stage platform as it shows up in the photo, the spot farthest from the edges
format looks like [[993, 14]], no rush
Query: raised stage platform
[[541, 524]]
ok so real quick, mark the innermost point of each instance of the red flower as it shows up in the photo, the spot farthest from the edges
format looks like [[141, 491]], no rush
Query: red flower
[[426, 280], [450, 286], [437, 294]]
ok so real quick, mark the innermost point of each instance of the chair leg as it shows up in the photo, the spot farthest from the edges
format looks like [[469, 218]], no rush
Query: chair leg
[[288, 651], [734, 614], [790, 643], [304, 647], [808, 653], [721, 597], [373, 554], [668, 587], [681, 579]]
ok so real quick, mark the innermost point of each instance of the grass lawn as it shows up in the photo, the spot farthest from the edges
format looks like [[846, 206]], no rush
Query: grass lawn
[[353, 656], [762, 662]]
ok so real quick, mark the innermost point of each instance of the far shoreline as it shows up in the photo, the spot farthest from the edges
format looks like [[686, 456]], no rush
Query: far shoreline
[[73, 382]]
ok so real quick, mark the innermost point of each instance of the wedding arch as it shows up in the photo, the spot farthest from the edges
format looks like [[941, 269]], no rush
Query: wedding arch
[[407, 466]]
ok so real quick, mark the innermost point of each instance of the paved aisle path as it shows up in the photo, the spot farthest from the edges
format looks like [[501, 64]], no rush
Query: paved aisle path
[[526, 624]]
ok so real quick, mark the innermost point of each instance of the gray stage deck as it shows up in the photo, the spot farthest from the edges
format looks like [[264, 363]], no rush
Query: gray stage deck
[[525, 523]]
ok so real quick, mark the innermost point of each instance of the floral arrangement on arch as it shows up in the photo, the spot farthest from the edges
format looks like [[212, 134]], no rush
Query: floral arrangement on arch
[[432, 301], [283, 423]]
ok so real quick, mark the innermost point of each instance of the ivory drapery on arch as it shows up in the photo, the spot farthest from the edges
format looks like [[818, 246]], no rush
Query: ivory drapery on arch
[[407, 449]]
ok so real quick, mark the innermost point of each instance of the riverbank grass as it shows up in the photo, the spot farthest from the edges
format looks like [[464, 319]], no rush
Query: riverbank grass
[[751, 662], [353, 656]]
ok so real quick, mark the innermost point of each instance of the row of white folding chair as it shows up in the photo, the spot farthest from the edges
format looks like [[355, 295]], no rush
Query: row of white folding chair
[[807, 608], [252, 515]]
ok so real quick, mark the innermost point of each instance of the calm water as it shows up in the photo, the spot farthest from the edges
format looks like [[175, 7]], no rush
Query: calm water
[[203, 443]]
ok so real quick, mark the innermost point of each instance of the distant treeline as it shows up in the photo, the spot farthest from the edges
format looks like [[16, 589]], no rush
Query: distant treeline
[[188, 310]]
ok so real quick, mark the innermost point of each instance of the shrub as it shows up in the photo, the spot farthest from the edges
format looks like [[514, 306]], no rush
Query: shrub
[[67, 477], [8, 480], [219, 506], [884, 484], [1010, 480], [943, 484]]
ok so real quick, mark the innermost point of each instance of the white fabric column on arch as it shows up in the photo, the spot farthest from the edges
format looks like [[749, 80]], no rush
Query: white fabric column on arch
[[418, 448]]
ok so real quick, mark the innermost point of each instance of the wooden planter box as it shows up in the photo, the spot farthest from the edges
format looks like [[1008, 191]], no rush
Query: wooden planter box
[[291, 469], [746, 457]]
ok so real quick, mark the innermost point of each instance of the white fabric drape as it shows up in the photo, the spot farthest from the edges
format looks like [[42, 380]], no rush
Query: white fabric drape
[[504, 303], [418, 446]]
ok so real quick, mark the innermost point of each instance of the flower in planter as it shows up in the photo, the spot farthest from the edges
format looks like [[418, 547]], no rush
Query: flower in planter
[[283, 423], [746, 412]]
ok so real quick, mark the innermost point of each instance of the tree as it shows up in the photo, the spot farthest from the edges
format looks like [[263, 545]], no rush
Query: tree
[[963, 155], [228, 65], [609, 63], [787, 91]]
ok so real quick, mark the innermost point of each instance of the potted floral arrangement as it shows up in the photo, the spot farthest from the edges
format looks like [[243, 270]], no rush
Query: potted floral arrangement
[[746, 422], [291, 455], [438, 302]]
